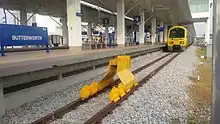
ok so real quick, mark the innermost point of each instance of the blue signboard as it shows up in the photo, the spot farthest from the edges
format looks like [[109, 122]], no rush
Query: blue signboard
[[137, 19], [19, 35], [161, 29]]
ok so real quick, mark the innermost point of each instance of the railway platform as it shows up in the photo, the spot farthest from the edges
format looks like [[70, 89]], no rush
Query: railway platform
[[23, 62], [22, 69]]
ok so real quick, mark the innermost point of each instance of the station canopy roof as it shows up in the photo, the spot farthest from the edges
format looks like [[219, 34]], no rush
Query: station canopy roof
[[169, 11]]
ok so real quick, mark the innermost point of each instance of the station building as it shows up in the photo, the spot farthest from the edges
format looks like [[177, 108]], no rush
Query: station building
[[202, 10]]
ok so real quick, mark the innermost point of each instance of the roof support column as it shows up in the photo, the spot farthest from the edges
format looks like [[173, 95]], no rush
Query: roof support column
[[115, 37], [141, 27], [216, 68], [165, 33], [211, 20], [106, 34], [89, 31], [120, 22], [207, 31], [153, 29], [74, 23], [161, 33], [23, 17], [2, 107], [65, 31], [209, 44]]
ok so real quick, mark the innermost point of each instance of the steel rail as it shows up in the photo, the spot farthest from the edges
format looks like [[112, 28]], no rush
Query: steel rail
[[73, 105], [110, 107]]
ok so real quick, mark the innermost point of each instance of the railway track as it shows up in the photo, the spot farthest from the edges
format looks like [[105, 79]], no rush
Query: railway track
[[58, 114], [97, 118]]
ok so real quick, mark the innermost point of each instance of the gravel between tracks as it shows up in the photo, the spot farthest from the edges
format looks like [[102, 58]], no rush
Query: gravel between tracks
[[163, 99], [87, 110], [32, 111]]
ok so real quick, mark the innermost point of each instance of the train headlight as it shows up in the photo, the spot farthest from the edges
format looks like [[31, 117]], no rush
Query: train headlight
[[171, 42], [181, 42]]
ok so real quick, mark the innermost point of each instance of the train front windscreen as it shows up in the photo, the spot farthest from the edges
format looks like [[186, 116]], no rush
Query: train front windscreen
[[177, 33]]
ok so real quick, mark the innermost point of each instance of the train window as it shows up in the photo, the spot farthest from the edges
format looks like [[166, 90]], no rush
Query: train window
[[177, 33]]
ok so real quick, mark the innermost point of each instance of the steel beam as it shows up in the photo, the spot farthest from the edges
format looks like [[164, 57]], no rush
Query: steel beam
[[56, 21], [148, 19], [30, 17], [133, 7], [34, 12], [100, 27], [13, 15], [5, 16]]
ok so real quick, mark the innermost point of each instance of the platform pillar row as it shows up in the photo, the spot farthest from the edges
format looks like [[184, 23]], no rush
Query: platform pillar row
[[74, 22], [165, 33], [106, 34], [65, 31], [115, 39], [161, 33], [120, 22], [153, 29], [141, 27], [89, 31], [207, 34], [2, 107], [209, 49], [23, 17]]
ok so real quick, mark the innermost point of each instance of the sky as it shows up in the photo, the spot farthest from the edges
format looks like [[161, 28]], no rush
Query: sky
[[42, 21], [46, 21]]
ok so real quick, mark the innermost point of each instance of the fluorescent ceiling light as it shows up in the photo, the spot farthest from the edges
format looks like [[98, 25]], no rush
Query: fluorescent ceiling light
[[102, 9]]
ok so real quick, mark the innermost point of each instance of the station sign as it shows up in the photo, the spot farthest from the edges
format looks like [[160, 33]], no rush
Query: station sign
[[161, 28], [79, 14], [20, 35], [137, 19]]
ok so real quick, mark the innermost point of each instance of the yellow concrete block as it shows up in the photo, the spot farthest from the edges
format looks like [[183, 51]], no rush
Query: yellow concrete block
[[135, 83], [85, 92], [124, 63], [121, 66], [94, 88], [114, 95], [113, 62], [121, 90], [105, 83], [127, 79]]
